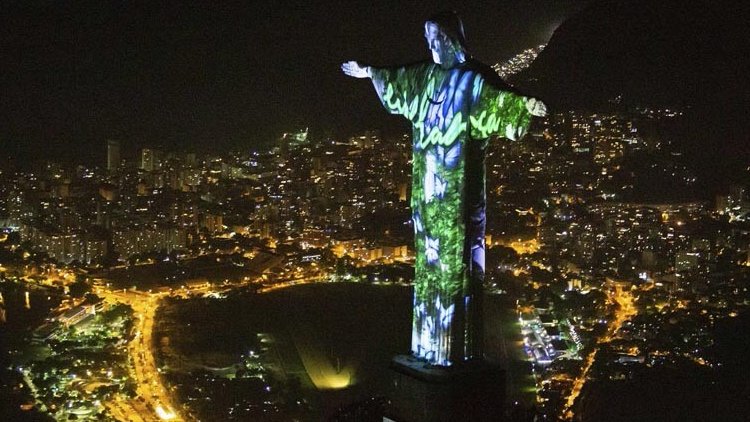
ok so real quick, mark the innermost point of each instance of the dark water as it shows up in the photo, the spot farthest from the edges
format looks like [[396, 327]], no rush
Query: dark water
[[359, 327], [19, 318], [19, 322]]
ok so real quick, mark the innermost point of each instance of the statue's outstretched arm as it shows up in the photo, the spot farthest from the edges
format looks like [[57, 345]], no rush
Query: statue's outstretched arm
[[356, 70], [398, 87], [536, 107], [497, 110]]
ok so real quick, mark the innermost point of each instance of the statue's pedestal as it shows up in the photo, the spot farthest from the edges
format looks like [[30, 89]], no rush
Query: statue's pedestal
[[474, 391]]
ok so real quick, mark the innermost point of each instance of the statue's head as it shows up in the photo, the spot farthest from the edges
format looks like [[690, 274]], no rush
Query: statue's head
[[446, 39]]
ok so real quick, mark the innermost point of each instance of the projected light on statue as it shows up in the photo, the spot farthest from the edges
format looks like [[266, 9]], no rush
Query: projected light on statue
[[454, 104]]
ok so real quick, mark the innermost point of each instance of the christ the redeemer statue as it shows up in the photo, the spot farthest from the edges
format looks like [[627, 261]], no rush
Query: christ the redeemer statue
[[454, 104]]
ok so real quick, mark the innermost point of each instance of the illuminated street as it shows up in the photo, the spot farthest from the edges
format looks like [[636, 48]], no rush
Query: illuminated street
[[153, 401], [625, 310], [150, 390]]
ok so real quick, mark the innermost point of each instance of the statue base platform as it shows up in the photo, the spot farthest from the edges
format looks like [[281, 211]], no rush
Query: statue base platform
[[472, 391]]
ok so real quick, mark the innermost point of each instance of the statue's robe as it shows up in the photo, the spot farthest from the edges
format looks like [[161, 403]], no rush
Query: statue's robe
[[453, 112]]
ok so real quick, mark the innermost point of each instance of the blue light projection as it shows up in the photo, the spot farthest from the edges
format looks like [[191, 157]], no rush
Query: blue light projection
[[454, 105]]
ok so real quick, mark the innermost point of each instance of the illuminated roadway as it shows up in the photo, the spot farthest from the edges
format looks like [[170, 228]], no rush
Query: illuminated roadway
[[153, 401], [625, 310]]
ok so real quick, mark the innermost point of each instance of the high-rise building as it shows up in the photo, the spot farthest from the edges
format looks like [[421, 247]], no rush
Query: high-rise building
[[113, 155], [686, 260], [147, 159], [129, 241], [66, 246]]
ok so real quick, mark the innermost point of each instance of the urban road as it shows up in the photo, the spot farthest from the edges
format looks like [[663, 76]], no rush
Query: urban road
[[153, 400]]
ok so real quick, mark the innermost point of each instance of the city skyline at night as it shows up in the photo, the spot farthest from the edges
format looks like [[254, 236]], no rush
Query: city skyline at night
[[201, 218], [237, 75]]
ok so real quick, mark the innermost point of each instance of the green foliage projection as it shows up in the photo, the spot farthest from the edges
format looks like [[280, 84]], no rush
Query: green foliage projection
[[453, 112]]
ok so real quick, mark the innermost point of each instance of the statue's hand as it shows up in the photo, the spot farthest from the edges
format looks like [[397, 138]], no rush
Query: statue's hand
[[536, 107], [354, 69]]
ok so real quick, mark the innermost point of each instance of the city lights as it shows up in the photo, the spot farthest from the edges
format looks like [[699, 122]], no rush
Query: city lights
[[201, 218]]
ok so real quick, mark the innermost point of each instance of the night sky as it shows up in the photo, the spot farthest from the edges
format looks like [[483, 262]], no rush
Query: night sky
[[188, 77]]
